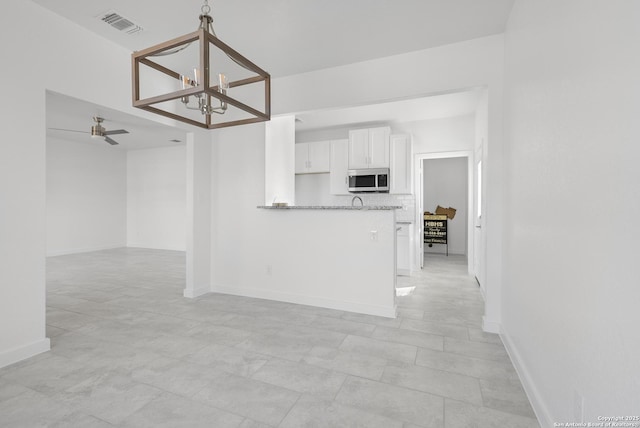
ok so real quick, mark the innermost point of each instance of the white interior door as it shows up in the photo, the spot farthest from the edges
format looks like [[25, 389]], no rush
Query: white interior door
[[478, 234], [419, 217]]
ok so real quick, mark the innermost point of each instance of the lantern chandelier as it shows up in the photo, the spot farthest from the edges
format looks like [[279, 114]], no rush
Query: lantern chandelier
[[206, 95]]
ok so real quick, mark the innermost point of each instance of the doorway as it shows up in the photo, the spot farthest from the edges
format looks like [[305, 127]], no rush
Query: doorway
[[463, 219], [445, 189]]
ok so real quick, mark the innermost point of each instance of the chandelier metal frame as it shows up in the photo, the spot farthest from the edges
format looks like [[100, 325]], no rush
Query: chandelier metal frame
[[204, 89]]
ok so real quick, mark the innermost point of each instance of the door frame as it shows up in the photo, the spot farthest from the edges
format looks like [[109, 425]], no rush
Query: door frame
[[418, 162], [479, 198]]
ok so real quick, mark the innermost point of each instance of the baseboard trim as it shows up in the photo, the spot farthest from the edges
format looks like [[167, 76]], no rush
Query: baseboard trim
[[535, 398], [83, 250], [23, 352], [192, 293], [491, 326], [381, 311], [152, 247], [444, 252]]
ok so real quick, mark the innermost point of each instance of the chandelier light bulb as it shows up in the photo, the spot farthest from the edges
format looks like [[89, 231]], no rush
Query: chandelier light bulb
[[223, 84], [186, 82], [196, 76]]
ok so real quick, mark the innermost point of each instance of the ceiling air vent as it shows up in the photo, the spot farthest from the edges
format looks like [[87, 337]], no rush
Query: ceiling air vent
[[120, 23]]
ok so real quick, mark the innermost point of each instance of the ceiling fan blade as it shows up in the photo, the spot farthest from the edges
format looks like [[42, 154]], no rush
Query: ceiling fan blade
[[116, 131], [69, 130], [110, 141]]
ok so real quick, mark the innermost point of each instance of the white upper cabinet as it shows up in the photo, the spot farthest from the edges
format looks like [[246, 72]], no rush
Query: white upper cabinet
[[369, 148], [359, 148], [338, 179], [400, 169], [313, 157], [320, 156], [302, 157], [379, 147]]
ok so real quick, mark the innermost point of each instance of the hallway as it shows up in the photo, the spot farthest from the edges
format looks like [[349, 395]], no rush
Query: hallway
[[447, 301], [128, 350]]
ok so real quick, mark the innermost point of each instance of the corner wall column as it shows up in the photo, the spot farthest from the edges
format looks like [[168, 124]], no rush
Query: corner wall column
[[198, 214]]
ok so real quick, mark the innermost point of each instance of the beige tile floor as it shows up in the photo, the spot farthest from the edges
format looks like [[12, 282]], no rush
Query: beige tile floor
[[128, 350]]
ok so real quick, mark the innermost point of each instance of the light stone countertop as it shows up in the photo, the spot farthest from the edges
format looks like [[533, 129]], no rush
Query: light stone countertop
[[332, 207]]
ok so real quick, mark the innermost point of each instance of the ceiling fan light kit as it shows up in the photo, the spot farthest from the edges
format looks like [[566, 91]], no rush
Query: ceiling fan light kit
[[98, 131], [222, 89]]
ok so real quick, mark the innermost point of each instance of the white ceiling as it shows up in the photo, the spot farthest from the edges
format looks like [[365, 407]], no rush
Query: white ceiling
[[287, 37]]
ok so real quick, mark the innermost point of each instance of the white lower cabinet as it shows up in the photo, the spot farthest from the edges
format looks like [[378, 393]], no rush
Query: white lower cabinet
[[338, 175], [403, 248]]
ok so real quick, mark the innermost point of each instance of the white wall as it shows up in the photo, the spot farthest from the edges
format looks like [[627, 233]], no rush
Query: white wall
[[201, 214], [570, 306], [445, 184], [280, 160], [22, 163], [101, 197], [156, 198], [86, 197], [237, 181], [448, 134], [313, 189]]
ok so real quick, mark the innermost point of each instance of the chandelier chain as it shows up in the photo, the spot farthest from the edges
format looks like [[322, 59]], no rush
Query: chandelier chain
[[206, 23], [205, 9]]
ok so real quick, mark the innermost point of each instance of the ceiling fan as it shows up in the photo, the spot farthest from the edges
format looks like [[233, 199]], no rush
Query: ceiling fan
[[98, 131]]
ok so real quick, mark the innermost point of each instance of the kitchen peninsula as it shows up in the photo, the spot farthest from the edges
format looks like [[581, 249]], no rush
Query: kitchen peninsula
[[338, 257]]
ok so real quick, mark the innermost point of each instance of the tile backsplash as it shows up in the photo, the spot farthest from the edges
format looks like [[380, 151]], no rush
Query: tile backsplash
[[313, 189]]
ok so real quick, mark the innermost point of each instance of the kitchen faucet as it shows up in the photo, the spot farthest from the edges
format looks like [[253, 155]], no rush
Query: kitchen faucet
[[353, 200]]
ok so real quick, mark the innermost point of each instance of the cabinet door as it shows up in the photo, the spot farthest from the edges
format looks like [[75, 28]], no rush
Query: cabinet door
[[379, 147], [319, 156], [403, 264], [302, 158], [358, 148], [338, 180], [400, 168]]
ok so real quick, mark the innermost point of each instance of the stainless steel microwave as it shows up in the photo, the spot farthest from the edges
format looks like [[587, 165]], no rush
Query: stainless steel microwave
[[369, 180]]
